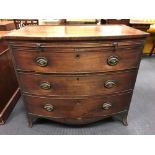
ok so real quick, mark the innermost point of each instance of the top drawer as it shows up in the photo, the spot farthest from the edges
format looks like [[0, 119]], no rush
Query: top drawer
[[83, 57]]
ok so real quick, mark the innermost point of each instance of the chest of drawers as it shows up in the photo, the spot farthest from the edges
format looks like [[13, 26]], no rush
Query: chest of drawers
[[76, 74]]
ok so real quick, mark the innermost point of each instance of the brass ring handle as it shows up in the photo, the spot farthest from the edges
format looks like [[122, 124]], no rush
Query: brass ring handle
[[48, 107], [106, 106], [45, 85], [109, 83], [113, 60], [42, 61]]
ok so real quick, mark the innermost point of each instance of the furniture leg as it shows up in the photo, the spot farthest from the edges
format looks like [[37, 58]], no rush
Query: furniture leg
[[31, 120], [122, 117], [153, 47]]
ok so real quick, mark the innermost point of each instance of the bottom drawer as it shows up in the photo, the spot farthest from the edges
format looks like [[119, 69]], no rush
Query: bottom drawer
[[78, 107]]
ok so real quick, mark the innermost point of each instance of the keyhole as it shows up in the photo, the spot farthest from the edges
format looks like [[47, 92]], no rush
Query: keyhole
[[77, 55], [77, 78]]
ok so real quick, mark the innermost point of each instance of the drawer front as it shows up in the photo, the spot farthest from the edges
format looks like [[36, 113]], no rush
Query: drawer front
[[77, 108], [71, 60], [78, 43], [79, 85]]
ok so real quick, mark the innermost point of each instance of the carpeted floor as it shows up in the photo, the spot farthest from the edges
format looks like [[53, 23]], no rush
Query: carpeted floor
[[141, 118]]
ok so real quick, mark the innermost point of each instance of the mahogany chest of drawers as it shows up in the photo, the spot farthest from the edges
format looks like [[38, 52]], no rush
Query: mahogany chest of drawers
[[9, 90], [77, 74]]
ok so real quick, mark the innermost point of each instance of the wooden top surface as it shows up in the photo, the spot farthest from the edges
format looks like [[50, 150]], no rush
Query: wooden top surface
[[2, 33], [96, 32], [6, 22]]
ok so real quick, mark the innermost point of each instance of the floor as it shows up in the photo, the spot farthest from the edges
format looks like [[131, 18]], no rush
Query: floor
[[141, 118]]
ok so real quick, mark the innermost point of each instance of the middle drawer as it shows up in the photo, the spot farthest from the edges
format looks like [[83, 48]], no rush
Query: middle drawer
[[77, 85]]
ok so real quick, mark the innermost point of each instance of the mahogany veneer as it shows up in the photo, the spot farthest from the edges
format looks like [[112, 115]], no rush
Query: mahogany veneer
[[77, 74]]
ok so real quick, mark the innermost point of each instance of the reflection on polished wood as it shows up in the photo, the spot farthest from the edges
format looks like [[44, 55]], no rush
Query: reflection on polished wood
[[75, 32]]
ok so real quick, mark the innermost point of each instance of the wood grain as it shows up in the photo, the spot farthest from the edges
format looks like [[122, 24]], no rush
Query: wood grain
[[77, 108], [72, 60], [77, 71], [75, 33], [77, 85]]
